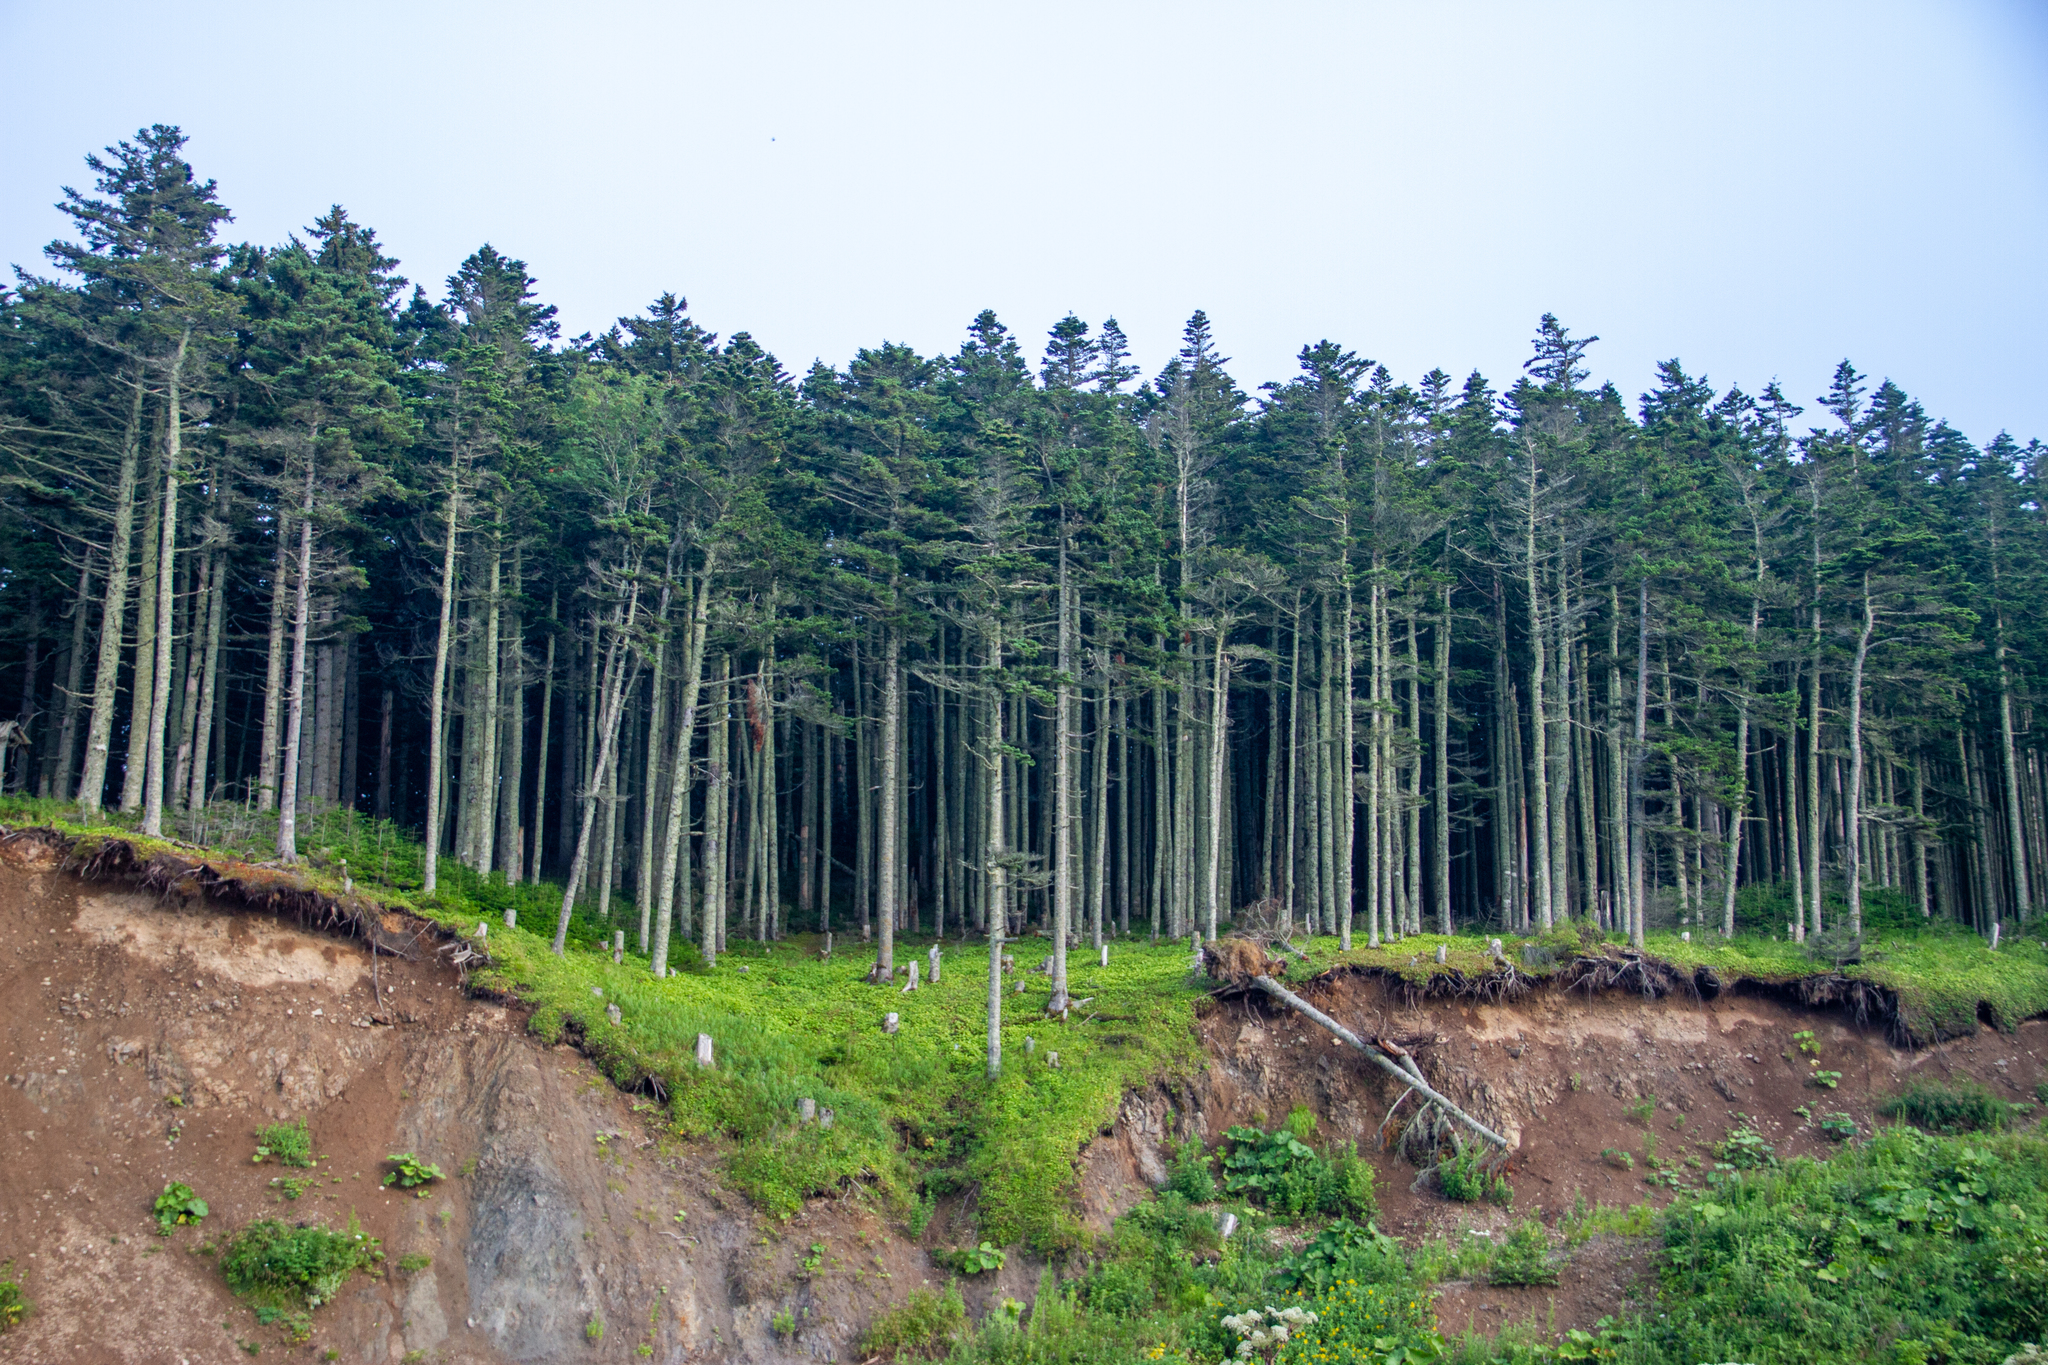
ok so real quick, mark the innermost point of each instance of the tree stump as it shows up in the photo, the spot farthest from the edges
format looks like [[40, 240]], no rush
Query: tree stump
[[934, 956], [704, 1051], [889, 1022], [806, 1110], [911, 984], [611, 1012], [618, 947]]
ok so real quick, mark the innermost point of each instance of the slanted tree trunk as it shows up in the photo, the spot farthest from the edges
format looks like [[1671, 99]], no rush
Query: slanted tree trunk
[[610, 705], [675, 851]]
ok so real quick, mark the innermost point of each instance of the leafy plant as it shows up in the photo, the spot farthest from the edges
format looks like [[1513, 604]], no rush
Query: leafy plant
[[1189, 1175], [816, 1258], [1617, 1158], [1744, 1149], [783, 1324], [176, 1207], [924, 1324], [291, 1188], [1343, 1251], [1806, 1042], [593, 1331], [1960, 1107], [1524, 1257], [414, 1261], [1644, 1109], [14, 1305], [411, 1172], [1827, 1080], [1839, 1127], [1289, 1177], [972, 1260], [291, 1143], [1464, 1177], [272, 1263]]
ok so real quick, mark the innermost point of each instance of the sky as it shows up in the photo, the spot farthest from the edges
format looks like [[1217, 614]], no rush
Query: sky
[[1760, 190]]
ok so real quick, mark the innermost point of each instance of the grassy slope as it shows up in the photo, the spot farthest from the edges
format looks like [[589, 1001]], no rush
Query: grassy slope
[[915, 1114]]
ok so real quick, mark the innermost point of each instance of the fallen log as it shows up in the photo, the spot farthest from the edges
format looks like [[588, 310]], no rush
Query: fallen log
[[1410, 1077]]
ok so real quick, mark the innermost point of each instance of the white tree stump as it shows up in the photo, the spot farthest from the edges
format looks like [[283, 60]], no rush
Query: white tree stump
[[704, 1051], [934, 956], [825, 1117], [1226, 1226], [1443, 953], [1105, 954], [911, 984], [1030, 1045], [1994, 935], [806, 1110], [1052, 1059], [611, 1012], [889, 1022], [618, 947], [511, 918]]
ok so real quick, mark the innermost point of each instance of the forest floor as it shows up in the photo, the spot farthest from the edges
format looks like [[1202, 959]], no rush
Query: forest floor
[[1152, 1058]]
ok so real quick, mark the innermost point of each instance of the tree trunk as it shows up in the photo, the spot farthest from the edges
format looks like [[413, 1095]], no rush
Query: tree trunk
[[437, 735], [1639, 757], [675, 850], [113, 613], [886, 890], [540, 753], [610, 703], [1441, 699], [1852, 821], [295, 691]]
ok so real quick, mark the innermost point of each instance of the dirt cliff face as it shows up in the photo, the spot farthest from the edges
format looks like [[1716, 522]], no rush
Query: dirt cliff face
[[144, 1041], [1564, 1075]]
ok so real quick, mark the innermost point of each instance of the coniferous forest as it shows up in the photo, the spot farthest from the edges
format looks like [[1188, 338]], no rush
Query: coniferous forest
[[1010, 640]]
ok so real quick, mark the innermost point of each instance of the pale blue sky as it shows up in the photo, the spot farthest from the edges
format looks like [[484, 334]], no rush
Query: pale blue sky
[[1758, 189]]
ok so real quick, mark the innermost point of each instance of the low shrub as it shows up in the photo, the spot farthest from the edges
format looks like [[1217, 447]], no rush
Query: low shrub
[[274, 1264], [1344, 1251], [1957, 1107], [1465, 1179], [291, 1143], [1188, 1175], [1282, 1172], [1524, 1257], [411, 1172], [14, 1305], [177, 1207], [923, 1325]]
